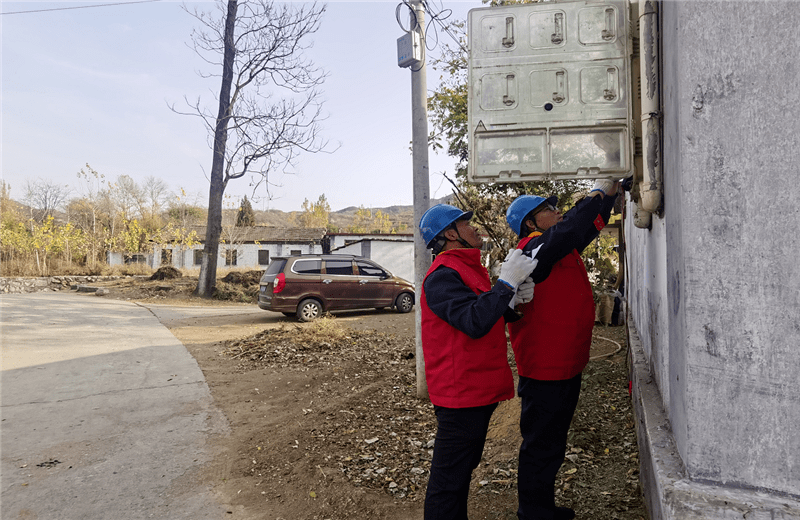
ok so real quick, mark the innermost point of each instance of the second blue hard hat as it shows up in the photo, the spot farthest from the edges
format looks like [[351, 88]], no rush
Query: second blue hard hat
[[522, 205]]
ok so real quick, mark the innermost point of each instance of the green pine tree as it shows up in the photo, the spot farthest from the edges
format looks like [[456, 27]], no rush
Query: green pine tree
[[246, 216]]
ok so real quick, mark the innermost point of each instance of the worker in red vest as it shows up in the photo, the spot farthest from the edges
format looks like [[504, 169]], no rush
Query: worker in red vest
[[465, 350], [551, 341]]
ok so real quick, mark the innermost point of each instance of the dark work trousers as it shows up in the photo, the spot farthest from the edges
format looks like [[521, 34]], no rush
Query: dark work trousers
[[457, 451], [547, 410]]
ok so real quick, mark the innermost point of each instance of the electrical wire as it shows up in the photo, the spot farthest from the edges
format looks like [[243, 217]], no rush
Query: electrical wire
[[80, 7], [608, 354], [412, 12], [430, 36], [440, 17], [414, 27]]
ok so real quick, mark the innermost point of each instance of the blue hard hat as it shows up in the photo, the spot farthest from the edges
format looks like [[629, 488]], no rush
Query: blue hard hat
[[437, 219], [522, 205]]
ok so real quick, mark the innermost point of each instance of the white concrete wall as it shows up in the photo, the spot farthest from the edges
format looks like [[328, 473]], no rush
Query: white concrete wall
[[714, 287], [339, 239], [115, 258], [646, 294], [396, 256], [247, 254]]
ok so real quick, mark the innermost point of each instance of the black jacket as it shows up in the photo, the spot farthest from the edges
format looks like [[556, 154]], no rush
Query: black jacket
[[575, 231]]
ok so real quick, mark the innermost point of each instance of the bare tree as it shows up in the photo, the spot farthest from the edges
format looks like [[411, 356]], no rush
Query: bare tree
[[268, 106], [128, 197], [154, 195], [232, 235], [88, 211], [185, 210], [43, 197]]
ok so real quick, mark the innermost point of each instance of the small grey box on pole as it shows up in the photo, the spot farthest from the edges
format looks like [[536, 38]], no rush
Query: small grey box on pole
[[411, 53]]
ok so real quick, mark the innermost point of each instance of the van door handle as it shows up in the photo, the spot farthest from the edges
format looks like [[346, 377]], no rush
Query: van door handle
[[327, 280]]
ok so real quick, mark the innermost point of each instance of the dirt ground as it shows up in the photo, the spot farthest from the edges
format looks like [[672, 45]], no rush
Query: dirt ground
[[325, 422]]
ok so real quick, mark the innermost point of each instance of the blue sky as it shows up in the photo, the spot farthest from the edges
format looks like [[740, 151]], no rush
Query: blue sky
[[93, 86]]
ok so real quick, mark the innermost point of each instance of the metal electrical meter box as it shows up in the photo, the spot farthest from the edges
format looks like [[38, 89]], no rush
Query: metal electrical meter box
[[409, 52], [549, 91]]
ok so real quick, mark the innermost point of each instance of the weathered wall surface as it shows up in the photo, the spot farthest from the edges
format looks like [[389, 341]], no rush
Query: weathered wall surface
[[738, 121], [646, 293], [721, 328]]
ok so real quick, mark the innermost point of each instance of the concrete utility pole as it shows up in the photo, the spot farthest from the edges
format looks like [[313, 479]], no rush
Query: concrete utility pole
[[422, 196]]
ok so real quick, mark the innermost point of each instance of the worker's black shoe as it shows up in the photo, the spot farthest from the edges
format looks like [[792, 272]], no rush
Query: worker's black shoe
[[564, 513]]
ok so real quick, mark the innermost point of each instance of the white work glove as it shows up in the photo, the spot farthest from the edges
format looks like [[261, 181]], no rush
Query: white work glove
[[603, 185], [524, 292], [516, 267]]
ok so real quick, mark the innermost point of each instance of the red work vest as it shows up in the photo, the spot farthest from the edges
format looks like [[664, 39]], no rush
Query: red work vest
[[463, 372], [552, 340]]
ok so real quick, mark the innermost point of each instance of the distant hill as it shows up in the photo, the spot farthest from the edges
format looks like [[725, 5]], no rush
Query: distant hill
[[344, 217]]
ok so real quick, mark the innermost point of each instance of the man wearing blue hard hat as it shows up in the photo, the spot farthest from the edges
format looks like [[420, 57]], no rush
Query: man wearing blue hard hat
[[464, 345], [551, 341]]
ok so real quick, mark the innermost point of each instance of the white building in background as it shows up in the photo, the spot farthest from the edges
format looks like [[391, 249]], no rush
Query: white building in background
[[246, 247], [254, 248], [395, 252]]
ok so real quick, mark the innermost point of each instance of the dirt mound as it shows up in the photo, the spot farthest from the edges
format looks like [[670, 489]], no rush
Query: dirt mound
[[238, 287], [166, 273], [246, 278]]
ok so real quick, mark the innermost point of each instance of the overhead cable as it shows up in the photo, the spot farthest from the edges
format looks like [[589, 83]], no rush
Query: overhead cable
[[80, 7]]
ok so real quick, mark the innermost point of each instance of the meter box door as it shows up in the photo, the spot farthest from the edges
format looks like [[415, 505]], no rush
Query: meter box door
[[550, 91]]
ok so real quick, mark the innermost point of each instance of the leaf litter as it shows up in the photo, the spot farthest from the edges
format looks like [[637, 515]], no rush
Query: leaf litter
[[366, 426]]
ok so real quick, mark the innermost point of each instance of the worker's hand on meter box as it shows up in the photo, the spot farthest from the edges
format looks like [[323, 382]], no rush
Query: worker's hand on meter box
[[603, 186]]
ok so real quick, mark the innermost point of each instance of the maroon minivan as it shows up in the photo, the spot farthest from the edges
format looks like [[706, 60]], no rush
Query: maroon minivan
[[307, 286]]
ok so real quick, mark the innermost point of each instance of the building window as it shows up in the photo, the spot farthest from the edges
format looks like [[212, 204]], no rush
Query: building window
[[295, 252], [230, 257], [263, 257], [166, 257], [198, 256], [135, 259]]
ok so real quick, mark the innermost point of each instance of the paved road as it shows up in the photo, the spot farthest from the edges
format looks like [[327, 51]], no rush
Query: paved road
[[105, 414]]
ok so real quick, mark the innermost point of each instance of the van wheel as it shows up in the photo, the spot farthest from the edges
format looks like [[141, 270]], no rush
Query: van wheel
[[404, 303], [309, 309]]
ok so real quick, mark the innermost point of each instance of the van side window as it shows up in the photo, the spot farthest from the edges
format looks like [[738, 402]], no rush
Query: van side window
[[367, 269], [307, 266], [276, 266], [344, 267]]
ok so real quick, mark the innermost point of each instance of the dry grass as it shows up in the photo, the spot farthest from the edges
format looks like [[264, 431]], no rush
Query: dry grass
[[64, 268]]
